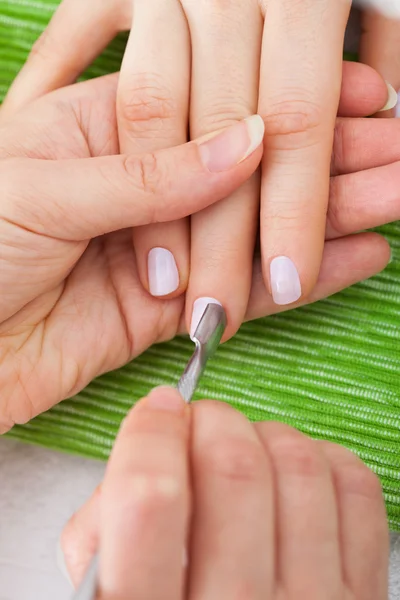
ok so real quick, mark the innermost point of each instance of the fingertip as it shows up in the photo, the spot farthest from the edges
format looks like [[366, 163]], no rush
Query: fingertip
[[165, 398], [383, 252], [364, 91]]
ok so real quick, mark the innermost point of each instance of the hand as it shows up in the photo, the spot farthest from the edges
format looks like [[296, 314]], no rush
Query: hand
[[57, 330], [299, 96], [71, 306], [265, 512]]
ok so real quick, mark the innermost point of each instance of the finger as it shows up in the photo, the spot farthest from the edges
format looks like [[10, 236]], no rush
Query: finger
[[380, 48], [364, 92], [80, 539], [84, 198], [364, 536], [353, 205], [362, 144], [306, 514], [299, 98], [152, 109], [232, 545], [226, 46], [145, 502], [76, 35], [346, 261]]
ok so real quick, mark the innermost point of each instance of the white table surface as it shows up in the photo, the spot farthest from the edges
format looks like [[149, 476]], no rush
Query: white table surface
[[39, 491]]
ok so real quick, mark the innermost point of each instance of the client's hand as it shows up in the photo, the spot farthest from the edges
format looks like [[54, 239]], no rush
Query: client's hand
[[71, 308], [263, 512], [207, 63]]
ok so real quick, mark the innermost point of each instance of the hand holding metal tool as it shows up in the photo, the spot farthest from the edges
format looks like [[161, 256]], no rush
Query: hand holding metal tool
[[207, 337]]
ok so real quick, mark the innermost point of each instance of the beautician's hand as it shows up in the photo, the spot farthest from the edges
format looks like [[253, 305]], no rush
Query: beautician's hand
[[265, 512], [71, 306], [77, 310], [215, 48]]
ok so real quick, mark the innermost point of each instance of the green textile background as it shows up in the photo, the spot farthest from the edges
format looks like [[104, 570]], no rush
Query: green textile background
[[332, 369]]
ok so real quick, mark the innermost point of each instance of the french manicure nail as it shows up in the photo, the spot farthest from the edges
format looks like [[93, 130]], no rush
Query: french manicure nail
[[228, 148], [285, 281], [199, 308], [162, 272], [392, 100], [61, 564]]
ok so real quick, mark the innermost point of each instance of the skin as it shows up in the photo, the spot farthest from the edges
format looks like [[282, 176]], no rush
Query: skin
[[221, 61], [380, 47], [68, 267], [303, 519]]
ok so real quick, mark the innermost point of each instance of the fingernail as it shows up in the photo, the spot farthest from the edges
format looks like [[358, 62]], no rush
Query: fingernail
[[60, 558], [162, 272], [228, 148], [199, 308], [398, 106], [165, 398], [392, 100], [285, 281]]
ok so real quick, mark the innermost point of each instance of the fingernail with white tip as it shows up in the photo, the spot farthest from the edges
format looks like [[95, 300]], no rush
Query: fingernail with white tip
[[392, 100], [61, 564], [199, 308]]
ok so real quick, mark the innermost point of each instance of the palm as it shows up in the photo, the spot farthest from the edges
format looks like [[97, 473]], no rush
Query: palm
[[88, 312]]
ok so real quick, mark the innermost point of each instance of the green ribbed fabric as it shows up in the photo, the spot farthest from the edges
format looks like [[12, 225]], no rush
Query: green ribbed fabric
[[332, 369]]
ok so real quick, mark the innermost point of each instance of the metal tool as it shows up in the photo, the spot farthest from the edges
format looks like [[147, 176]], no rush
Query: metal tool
[[207, 337]]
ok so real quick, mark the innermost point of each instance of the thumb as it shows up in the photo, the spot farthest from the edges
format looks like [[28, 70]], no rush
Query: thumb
[[84, 198], [380, 49]]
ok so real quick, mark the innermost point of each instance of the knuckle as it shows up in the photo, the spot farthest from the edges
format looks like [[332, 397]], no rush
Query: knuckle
[[212, 7], [39, 48], [289, 118], [146, 172], [340, 145], [236, 461], [46, 46], [152, 493], [339, 214], [295, 454], [218, 117], [147, 105]]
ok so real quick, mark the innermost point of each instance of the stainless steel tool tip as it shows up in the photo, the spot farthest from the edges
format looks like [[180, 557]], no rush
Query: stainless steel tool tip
[[207, 338]]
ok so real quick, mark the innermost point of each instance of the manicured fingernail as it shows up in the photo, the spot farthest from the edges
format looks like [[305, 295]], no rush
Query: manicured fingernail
[[165, 398], [199, 308], [162, 271], [392, 100], [228, 148], [61, 563], [285, 281]]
